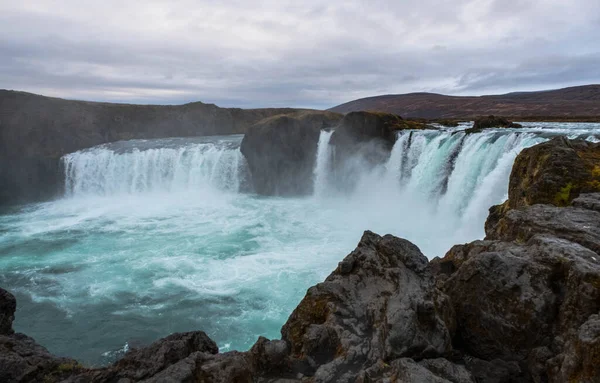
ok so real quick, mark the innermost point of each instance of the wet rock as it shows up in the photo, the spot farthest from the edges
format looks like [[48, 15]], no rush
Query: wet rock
[[491, 122], [575, 224], [270, 356], [385, 308], [554, 172], [23, 360], [148, 361], [495, 371], [530, 293], [366, 135], [8, 305], [408, 370], [281, 151]]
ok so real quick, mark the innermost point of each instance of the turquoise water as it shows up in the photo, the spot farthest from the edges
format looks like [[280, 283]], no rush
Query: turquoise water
[[161, 236], [93, 274]]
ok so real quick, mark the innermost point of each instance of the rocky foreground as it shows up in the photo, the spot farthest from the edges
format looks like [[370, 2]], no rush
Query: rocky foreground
[[523, 305]]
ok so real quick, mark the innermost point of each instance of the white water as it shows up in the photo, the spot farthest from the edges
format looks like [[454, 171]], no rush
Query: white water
[[322, 164], [160, 236], [122, 168]]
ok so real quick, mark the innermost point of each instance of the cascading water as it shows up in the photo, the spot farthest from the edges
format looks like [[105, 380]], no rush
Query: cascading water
[[322, 164], [160, 236], [168, 165]]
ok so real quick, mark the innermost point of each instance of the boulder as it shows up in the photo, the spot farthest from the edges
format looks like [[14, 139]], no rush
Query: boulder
[[281, 151], [23, 360], [380, 304], [146, 362], [491, 122], [554, 172]]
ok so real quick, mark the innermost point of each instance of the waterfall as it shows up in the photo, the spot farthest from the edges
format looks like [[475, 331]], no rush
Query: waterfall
[[322, 164], [135, 167], [445, 180]]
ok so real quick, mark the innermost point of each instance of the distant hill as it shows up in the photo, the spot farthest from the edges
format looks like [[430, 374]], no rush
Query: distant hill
[[579, 101]]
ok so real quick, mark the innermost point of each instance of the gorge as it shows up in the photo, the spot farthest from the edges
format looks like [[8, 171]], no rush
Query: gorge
[[225, 233]]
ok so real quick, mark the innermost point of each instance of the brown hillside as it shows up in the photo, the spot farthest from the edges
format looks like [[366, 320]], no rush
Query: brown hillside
[[581, 102]]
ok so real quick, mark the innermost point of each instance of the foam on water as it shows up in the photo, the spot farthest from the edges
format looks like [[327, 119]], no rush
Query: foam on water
[[159, 236]]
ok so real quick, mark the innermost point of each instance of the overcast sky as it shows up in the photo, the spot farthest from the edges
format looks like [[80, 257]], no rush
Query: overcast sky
[[294, 53]]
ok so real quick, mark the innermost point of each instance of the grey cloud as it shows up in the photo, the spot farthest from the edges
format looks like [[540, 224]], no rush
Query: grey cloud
[[284, 53]]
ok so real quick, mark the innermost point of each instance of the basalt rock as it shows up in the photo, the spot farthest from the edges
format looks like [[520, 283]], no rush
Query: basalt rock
[[8, 305], [554, 172], [491, 122], [364, 140], [21, 358], [281, 151], [380, 304], [372, 134], [530, 292]]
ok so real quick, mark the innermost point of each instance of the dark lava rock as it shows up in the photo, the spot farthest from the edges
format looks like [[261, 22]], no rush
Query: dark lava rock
[[554, 172], [361, 127], [8, 305], [491, 122], [530, 293], [281, 151], [370, 132], [365, 139], [385, 307], [21, 358]]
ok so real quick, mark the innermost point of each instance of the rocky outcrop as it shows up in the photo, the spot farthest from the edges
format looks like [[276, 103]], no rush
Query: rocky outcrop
[[21, 358], [491, 122], [8, 306], [358, 129], [36, 131], [380, 304], [281, 151], [554, 172], [365, 139], [530, 292]]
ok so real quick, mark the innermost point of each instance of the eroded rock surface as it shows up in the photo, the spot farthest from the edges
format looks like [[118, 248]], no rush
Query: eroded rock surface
[[378, 305], [554, 172], [530, 292]]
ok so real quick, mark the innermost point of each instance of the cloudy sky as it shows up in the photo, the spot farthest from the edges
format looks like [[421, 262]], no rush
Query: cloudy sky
[[294, 53]]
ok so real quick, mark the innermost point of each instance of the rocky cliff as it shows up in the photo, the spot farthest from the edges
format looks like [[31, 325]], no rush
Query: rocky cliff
[[523, 305], [280, 150], [36, 131]]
